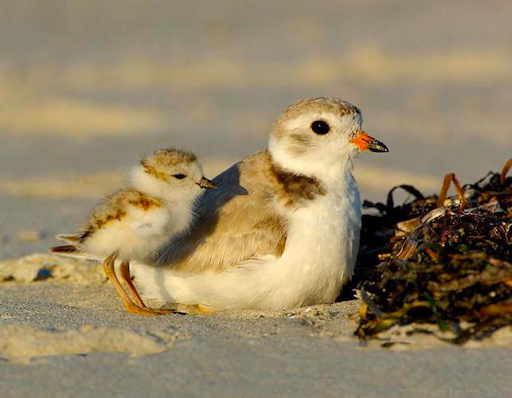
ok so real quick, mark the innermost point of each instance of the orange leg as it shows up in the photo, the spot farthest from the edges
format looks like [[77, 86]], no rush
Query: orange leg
[[125, 274], [108, 266]]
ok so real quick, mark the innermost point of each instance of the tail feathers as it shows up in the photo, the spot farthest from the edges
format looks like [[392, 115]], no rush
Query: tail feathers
[[64, 249], [68, 238]]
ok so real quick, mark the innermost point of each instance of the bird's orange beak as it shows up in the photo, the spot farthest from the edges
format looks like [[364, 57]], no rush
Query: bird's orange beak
[[366, 143]]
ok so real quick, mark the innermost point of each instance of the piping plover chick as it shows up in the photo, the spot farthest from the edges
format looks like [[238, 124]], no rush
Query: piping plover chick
[[282, 230], [133, 223]]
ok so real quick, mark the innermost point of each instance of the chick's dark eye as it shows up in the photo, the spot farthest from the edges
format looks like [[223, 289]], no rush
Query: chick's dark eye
[[179, 176], [320, 127]]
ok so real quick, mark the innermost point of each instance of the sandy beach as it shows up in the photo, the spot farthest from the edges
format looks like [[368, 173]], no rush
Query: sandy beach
[[89, 87], [67, 334]]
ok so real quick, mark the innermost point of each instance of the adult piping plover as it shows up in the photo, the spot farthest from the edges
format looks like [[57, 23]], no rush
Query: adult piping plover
[[133, 223], [282, 229]]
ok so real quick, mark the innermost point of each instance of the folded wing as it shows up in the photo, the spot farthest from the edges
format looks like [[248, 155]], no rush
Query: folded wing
[[234, 223]]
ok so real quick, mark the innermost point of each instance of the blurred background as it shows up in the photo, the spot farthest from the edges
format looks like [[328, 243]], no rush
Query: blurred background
[[86, 87]]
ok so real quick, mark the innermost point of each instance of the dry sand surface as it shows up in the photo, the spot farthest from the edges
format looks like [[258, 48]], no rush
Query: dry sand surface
[[88, 87], [60, 323]]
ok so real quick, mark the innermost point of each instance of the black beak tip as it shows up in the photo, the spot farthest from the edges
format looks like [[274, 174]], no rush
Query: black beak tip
[[380, 147]]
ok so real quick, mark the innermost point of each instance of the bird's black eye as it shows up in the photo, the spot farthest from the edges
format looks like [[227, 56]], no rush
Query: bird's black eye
[[320, 127], [179, 176]]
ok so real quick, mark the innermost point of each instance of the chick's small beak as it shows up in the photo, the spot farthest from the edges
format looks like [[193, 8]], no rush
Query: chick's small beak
[[205, 183], [366, 143]]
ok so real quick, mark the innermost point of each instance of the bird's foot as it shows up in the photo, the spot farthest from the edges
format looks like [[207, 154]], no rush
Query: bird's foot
[[135, 309], [199, 309]]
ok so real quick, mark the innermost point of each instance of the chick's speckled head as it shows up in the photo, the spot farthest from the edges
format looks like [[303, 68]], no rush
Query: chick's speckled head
[[170, 173]]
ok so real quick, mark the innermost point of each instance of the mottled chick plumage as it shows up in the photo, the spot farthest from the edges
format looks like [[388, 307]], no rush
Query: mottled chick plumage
[[133, 223]]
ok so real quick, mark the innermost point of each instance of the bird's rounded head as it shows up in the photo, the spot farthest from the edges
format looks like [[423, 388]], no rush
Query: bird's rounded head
[[317, 134], [172, 174]]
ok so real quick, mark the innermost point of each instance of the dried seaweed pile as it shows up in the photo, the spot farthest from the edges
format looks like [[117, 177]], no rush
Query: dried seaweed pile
[[440, 260]]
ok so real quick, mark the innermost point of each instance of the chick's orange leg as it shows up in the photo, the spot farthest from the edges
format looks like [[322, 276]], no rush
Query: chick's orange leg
[[125, 274], [129, 305]]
